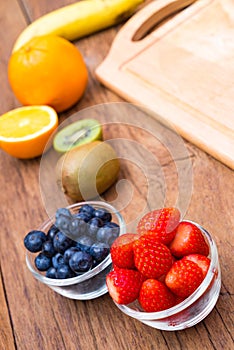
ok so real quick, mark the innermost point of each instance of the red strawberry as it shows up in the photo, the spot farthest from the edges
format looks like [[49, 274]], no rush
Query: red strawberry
[[115, 267], [155, 296], [178, 299], [162, 278], [184, 277], [122, 251], [152, 259], [161, 223], [188, 240], [124, 285], [202, 261]]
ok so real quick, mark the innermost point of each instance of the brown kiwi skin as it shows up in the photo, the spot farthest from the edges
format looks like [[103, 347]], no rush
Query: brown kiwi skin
[[88, 170]]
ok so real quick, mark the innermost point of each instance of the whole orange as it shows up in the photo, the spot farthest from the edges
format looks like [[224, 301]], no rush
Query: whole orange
[[48, 70]]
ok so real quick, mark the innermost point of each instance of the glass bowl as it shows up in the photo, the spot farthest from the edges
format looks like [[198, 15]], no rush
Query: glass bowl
[[88, 285], [194, 308]]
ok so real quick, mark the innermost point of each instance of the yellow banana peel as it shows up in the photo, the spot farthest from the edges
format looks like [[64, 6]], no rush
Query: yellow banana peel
[[79, 19]]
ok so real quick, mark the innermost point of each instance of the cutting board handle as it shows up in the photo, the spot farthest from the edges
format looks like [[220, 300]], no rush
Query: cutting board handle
[[161, 13], [132, 35]]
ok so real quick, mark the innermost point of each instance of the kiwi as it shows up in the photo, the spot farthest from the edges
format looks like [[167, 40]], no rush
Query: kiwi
[[87, 171], [76, 134]]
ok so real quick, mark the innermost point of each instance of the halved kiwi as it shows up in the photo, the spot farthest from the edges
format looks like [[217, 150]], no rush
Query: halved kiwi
[[76, 134]]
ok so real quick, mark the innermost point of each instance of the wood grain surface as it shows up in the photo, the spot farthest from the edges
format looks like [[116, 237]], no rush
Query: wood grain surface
[[34, 317]]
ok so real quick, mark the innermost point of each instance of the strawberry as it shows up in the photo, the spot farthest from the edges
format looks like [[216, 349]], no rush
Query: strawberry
[[155, 296], [162, 278], [161, 223], [115, 267], [124, 285], [188, 240], [178, 299], [152, 259], [184, 277], [202, 261], [122, 251]]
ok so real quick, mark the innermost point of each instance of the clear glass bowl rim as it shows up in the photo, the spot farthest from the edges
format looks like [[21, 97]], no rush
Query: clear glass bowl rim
[[89, 274], [140, 315]]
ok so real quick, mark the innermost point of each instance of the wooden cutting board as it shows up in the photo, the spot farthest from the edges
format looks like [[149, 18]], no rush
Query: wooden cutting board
[[182, 70]]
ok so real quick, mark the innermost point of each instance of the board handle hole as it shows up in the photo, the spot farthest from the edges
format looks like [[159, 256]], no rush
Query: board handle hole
[[159, 18]]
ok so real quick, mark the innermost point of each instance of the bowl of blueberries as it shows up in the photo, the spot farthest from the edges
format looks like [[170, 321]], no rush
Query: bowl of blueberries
[[70, 252]]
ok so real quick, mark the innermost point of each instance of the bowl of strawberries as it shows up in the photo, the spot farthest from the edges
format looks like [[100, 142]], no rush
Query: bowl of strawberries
[[167, 273]]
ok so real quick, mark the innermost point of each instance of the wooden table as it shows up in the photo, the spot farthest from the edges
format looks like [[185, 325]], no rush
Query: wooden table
[[33, 316]]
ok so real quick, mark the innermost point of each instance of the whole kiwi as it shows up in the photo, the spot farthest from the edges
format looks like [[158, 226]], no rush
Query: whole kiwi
[[88, 170]]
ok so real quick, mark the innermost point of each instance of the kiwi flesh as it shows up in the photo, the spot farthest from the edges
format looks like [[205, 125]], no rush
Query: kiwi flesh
[[76, 134]]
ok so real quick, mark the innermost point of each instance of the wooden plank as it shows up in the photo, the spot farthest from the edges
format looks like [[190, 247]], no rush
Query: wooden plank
[[11, 23], [41, 319], [6, 332], [178, 71]]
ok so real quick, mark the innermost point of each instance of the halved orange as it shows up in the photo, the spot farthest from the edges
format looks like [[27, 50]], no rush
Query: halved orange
[[25, 131]]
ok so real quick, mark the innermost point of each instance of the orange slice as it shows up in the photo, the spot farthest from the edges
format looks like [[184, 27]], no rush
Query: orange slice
[[25, 131]]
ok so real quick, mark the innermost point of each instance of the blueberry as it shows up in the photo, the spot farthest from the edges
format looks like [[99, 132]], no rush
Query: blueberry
[[62, 211], [80, 262], [48, 248], [99, 251], [64, 271], [51, 233], [85, 216], [63, 222], [105, 235], [87, 208], [33, 241], [77, 227], [51, 272], [103, 214], [93, 225], [73, 227], [42, 262], [57, 260], [84, 243], [69, 252], [115, 226], [95, 263], [61, 242]]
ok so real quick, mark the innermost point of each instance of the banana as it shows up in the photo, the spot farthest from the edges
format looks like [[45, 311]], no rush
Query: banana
[[79, 19]]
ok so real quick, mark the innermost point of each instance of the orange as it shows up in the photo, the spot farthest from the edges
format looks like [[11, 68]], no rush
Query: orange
[[48, 70], [25, 131]]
